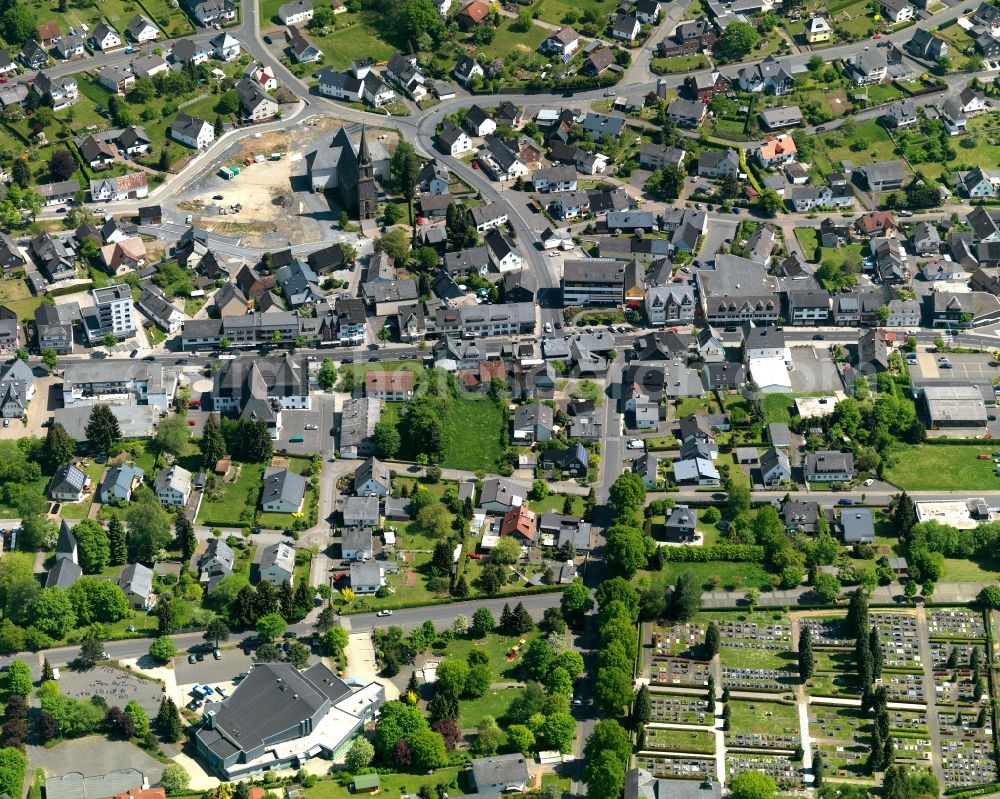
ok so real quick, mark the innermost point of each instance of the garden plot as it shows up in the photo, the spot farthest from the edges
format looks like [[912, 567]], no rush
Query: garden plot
[[676, 709], [841, 734], [691, 742], [962, 624], [692, 768], [678, 671], [782, 770], [678, 639], [900, 642], [763, 725]]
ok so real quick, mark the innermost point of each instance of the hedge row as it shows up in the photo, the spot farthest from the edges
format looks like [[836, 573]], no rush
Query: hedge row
[[737, 553]]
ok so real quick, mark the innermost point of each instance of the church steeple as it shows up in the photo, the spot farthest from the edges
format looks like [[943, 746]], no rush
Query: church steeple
[[364, 156]]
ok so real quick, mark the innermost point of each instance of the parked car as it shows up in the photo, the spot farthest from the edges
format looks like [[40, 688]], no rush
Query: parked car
[[312, 427], [636, 443], [845, 501], [216, 654], [384, 613]]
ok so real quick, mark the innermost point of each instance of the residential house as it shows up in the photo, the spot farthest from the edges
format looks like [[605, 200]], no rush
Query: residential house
[[70, 47], [857, 526], [818, 30], [394, 386], [453, 140], [687, 113], [283, 491], [372, 478], [901, 114], [625, 27], [533, 422], [776, 150], [680, 527], [61, 91], [277, 564], [718, 164], [562, 43], [520, 523], [775, 468], [192, 131], [829, 466], [785, 116], [68, 484], [927, 45], [647, 466], [499, 495], [295, 12], [105, 37], [141, 30], [172, 486], [136, 581], [671, 304], [357, 543], [367, 577], [362, 511], [225, 47], [118, 483], [500, 773], [302, 50], [978, 183], [868, 66], [132, 186], [503, 255], [598, 61], [472, 15], [771, 76], [466, 69], [478, 123], [897, 11], [17, 384]]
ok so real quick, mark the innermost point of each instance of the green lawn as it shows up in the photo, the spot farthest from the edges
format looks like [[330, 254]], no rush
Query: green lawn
[[497, 647], [671, 740], [878, 145], [957, 570], [391, 784], [778, 408], [507, 40], [681, 63], [16, 295], [346, 44], [494, 703], [946, 467], [732, 576], [808, 239], [555, 11], [762, 718], [555, 502], [225, 509]]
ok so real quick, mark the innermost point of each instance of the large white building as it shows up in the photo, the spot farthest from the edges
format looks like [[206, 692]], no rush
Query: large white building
[[113, 313]]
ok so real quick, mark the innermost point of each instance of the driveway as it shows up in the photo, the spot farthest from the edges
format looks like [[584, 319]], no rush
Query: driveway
[[361, 664], [92, 757]]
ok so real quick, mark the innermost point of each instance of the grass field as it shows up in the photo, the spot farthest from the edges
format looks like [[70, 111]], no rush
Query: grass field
[[494, 703], [808, 240], [753, 658], [778, 408], [762, 718], [344, 45], [878, 145], [474, 442], [16, 295], [555, 11], [496, 646], [392, 784], [225, 509], [958, 570], [669, 740], [508, 40], [946, 467], [555, 502], [681, 63], [732, 576]]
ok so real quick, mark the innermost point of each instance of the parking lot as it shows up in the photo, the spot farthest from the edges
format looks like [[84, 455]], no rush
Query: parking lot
[[210, 670], [814, 371], [970, 368]]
